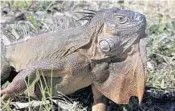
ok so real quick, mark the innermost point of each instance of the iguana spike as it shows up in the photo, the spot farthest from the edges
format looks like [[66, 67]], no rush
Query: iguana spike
[[86, 18], [89, 13], [90, 10]]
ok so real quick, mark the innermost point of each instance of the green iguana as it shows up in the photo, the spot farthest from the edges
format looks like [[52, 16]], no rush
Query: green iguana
[[107, 53]]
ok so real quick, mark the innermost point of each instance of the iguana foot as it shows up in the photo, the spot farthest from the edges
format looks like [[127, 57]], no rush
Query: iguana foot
[[99, 100], [10, 91]]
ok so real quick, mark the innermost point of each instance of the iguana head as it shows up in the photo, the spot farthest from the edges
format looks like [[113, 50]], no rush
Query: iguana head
[[121, 29]]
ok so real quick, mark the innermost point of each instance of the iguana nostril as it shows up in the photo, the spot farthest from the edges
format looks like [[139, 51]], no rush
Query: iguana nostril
[[104, 45], [138, 16]]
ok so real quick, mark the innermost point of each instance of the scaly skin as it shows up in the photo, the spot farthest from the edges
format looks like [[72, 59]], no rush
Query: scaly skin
[[108, 53]]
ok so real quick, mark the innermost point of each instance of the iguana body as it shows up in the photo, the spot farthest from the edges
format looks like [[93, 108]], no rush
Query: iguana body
[[85, 56], [53, 55]]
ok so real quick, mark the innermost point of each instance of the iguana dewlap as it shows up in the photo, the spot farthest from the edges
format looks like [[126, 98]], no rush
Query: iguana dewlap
[[107, 53]]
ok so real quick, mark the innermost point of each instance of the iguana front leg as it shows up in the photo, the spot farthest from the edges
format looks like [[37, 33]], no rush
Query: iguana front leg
[[100, 101], [68, 66], [99, 75], [19, 83]]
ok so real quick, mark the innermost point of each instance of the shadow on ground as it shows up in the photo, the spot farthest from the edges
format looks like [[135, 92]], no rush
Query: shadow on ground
[[153, 100]]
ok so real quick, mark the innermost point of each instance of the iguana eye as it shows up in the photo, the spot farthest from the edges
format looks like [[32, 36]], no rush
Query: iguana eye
[[121, 19]]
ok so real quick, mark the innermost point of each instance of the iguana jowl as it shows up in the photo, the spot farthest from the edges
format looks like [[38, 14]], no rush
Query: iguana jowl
[[108, 53]]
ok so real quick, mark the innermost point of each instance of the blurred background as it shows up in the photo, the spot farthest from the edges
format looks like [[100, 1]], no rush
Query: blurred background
[[21, 20]]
